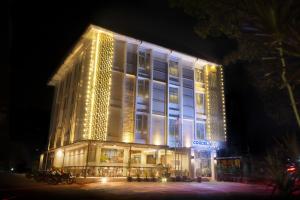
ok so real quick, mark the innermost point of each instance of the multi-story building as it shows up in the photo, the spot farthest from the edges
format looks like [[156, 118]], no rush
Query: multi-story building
[[124, 107]]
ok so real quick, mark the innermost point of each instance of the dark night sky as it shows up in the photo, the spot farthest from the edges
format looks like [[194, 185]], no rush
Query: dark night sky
[[41, 34]]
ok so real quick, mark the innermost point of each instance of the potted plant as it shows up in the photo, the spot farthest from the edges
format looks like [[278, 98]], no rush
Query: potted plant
[[199, 179], [146, 176], [152, 176], [138, 175], [129, 178]]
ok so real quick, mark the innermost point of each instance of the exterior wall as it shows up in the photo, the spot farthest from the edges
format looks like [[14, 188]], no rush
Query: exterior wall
[[118, 89]]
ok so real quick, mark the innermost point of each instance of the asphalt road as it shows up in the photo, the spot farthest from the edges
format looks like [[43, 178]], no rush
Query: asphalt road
[[16, 186]]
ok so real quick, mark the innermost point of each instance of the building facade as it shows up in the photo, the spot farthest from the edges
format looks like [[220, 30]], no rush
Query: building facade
[[125, 107]]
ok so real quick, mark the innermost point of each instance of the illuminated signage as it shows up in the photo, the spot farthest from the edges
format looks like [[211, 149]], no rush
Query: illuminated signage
[[205, 144], [200, 142]]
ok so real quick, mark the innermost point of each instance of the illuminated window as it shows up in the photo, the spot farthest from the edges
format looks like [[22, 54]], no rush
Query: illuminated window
[[143, 88], [200, 100], [135, 157], [200, 130], [142, 59], [144, 64], [142, 124], [213, 79], [112, 155], [150, 159], [199, 75], [173, 95], [173, 68], [174, 137]]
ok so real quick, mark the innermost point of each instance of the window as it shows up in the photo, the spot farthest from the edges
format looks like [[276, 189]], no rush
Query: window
[[160, 70], [173, 93], [144, 61], [188, 103], [144, 64], [150, 159], [200, 130], [187, 73], [174, 137], [131, 62], [112, 155], [143, 88], [159, 98], [142, 124], [199, 75], [200, 103], [213, 79], [173, 68], [135, 157]]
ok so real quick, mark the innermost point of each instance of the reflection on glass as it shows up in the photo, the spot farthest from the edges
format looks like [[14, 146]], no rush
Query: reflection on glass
[[112, 155]]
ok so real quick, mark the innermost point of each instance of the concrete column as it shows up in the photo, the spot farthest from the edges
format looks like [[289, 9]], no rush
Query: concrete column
[[213, 154], [191, 161]]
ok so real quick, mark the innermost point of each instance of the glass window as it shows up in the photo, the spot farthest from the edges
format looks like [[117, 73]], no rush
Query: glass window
[[142, 59], [142, 124], [200, 102], [112, 155], [187, 73], [158, 98], [138, 123], [135, 157], [173, 95], [159, 69], [213, 79], [174, 137], [173, 68], [199, 75], [150, 159], [200, 130], [143, 88]]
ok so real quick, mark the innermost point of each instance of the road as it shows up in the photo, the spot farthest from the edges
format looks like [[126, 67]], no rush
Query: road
[[15, 186]]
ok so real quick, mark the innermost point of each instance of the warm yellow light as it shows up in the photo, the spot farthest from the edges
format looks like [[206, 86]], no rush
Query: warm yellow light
[[59, 153], [98, 86], [207, 69], [164, 180], [104, 180], [213, 68], [157, 139]]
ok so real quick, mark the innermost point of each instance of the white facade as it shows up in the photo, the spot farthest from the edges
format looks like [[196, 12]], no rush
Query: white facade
[[137, 102]]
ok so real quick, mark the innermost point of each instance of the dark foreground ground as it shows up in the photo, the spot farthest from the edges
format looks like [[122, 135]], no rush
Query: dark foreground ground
[[16, 186]]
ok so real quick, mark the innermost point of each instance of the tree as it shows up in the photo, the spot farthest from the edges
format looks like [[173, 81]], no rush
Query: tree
[[287, 151], [267, 32]]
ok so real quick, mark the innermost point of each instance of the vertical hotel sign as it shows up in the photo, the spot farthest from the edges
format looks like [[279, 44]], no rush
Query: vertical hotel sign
[[99, 84]]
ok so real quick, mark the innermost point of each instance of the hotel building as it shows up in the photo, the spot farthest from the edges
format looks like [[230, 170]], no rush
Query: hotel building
[[126, 107]]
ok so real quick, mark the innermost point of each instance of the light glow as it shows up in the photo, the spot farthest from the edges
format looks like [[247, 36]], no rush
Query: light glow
[[98, 86], [223, 103], [59, 153], [207, 67], [104, 180], [164, 180]]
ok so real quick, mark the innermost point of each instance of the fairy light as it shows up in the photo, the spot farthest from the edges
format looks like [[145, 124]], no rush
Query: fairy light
[[208, 101], [88, 107], [223, 102], [93, 88], [97, 97], [102, 78]]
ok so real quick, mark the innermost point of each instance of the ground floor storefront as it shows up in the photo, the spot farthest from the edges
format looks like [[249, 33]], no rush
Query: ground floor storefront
[[116, 159]]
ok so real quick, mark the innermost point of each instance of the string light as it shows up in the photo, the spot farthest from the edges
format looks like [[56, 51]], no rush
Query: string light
[[223, 102], [98, 86], [208, 101]]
